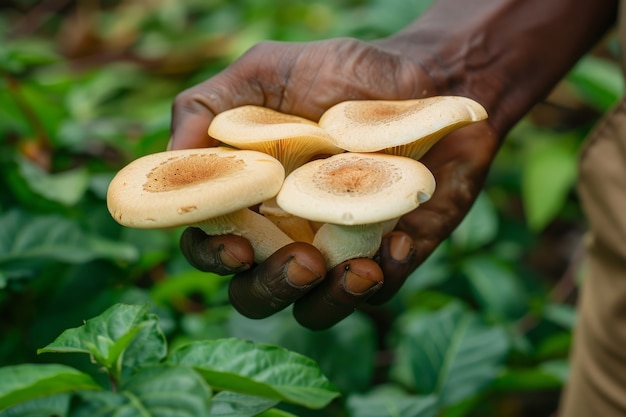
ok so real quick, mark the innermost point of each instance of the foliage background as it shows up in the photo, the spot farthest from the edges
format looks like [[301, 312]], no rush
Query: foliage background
[[484, 327]]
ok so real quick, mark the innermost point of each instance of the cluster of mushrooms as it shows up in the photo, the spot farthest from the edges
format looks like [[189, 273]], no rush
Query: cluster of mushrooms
[[339, 184]]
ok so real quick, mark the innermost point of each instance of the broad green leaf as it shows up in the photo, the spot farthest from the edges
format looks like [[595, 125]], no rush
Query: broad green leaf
[[152, 392], [122, 338], [599, 81], [561, 314], [66, 187], [383, 403], [54, 405], [24, 382], [257, 369], [548, 176], [25, 238], [233, 404], [479, 227], [496, 286], [449, 353], [352, 340]]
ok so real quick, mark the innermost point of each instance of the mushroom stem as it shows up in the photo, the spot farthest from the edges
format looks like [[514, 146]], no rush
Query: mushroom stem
[[339, 243], [264, 236], [295, 227]]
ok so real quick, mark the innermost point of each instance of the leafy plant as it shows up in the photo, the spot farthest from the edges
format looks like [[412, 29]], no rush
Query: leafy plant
[[483, 328], [226, 377]]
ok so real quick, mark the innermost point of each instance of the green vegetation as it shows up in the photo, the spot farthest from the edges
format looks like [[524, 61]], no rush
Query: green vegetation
[[482, 329]]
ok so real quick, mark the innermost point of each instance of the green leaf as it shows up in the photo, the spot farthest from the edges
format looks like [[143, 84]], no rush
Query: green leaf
[[527, 379], [496, 286], [55, 405], [66, 187], [123, 338], [549, 175], [257, 369], [386, 403], [352, 340], [558, 368], [84, 100], [25, 238], [152, 392], [479, 227], [449, 353], [436, 270], [562, 314], [233, 404], [18, 54], [599, 81], [24, 382]]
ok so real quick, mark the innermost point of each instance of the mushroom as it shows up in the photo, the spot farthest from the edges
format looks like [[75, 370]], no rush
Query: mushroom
[[404, 127], [291, 139], [208, 188], [354, 194]]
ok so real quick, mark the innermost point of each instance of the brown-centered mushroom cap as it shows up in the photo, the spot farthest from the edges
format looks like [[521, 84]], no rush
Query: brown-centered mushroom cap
[[182, 187], [355, 195], [403, 127], [356, 188], [209, 188]]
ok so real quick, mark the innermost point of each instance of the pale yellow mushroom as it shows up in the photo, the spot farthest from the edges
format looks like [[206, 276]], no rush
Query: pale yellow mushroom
[[208, 188], [403, 127], [354, 195]]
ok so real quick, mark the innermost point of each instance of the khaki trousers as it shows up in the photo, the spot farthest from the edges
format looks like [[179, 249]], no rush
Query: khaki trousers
[[597, 385]]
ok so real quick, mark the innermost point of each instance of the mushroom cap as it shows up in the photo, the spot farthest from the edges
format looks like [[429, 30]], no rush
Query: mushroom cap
[[291, 139], [184, 187], [356, 188], [376, 125]]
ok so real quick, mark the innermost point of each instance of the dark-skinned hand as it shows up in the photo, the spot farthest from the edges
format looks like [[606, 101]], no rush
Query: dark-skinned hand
[[305, 79]]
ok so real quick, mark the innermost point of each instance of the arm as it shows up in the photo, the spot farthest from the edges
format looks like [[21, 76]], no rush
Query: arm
[[506, 54]]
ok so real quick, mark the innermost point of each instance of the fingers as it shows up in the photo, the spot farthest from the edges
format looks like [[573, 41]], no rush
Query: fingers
[[276, 283], [345, 287], [395, 257], [222, 255]]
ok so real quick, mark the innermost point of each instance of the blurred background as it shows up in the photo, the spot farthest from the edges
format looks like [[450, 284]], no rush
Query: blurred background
[[482, 329]]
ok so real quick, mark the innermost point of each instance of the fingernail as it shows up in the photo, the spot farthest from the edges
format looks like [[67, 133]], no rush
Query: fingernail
[[358, 284], [400, 247], [299, 275], [230, 260], [170, 144]]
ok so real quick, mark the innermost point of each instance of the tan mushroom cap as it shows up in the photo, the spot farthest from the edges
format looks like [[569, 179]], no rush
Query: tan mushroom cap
[[403, 127], [291, 139], [183, 187], [356, 188]]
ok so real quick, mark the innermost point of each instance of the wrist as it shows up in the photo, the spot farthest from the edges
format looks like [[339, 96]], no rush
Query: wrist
[[507, 55]]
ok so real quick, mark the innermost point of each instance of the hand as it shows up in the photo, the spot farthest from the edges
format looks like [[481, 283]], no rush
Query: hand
[[305, 79]]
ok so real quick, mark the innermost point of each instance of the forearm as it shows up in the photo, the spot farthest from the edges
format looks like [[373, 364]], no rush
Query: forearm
[[506, 54]]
